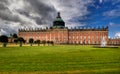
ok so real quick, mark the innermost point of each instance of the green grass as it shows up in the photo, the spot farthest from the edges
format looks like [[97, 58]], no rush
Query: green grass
[[60, 59]]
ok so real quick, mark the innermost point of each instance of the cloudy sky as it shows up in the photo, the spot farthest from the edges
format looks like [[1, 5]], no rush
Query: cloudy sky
[[16, 14]]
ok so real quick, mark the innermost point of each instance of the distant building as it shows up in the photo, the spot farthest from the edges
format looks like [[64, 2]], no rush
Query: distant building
[[114, 41], [10, 40], [62, 35]]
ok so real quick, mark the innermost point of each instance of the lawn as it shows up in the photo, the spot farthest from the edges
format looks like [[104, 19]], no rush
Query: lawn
[[59, 59]]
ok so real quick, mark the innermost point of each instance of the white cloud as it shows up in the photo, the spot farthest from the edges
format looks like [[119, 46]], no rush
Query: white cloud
[[72, 8], [114, 24], [7, 28], [16, 4], [2, 32], [100, 1], [117, 34], [115, 2], [111, 24], [112, 13]]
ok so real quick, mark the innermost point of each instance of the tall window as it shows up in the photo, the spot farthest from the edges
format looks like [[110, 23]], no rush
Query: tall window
[[92, 39], [97, 40], [73, 37], [81, 39], [77, 37], [88, 39], [85, 39]]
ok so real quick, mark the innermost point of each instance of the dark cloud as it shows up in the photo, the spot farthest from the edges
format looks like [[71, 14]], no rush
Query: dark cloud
[[3, 7], [4, 1], [25, 12], [43, 10], [8, 16]]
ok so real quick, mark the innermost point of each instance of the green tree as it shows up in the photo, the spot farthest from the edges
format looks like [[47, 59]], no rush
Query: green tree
[[38, 42], [48, 42], [31, 40], [52, 42], [24, 41], [21, 40], [35, 42], [15, 38], [14, 35], [4, 40], [11, 35], [15, 41]]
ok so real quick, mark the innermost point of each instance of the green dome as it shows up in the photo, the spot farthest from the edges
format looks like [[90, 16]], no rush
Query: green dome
[[58, 22]]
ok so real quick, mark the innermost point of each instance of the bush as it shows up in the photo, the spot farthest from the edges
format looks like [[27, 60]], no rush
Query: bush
[[4, 40]]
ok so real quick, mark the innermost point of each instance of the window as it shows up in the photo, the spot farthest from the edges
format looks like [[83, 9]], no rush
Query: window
[[88, 39], [93, 40], [97, 40], [77, 37], [85, 39], [73, 37]]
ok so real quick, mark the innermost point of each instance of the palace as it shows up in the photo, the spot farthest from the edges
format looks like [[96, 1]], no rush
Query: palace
[[60, 34]]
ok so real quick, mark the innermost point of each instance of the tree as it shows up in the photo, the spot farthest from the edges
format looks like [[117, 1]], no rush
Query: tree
[[21, 40], [11, 35], [38, 42], [14, 35], [4, 40], [15, 38], [31, 40], [52, 42], [48, 42], [44, 42], [24, 41], [15, 41], [35, 42]]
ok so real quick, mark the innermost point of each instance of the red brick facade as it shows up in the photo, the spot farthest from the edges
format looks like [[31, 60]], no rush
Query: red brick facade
[[114, 41], [64, 36]]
